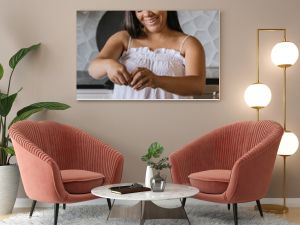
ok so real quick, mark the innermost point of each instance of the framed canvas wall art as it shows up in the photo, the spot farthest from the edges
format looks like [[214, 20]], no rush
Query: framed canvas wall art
[[170, 59]]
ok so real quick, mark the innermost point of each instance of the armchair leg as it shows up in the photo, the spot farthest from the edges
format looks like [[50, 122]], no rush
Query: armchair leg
[[183, 202], [108, 203], [64, 206], [32, 208], [235, 213], [56, 208], [228, 206], [259, 208]]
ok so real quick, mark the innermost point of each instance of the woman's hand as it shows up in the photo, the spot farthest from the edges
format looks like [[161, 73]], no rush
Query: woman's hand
[[117, 72], [143, 77]]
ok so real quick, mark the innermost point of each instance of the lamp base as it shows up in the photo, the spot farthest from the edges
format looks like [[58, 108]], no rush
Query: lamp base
[[276, 209]]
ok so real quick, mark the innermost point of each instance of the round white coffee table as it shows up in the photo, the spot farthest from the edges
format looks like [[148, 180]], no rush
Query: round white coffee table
[[145, 208]]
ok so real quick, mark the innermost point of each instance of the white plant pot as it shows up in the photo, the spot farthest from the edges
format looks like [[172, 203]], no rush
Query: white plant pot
[[9, 183], [148, 176]]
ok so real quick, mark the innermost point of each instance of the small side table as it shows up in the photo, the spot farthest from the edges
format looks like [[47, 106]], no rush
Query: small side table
[[145, 209]]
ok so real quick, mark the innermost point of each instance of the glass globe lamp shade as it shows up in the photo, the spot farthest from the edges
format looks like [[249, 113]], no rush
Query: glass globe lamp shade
[[257, 95], [289, 144], [284, 54]]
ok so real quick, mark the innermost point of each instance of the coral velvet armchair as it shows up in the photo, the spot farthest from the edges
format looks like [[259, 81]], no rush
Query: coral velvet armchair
[[232, 164], [60, 164]]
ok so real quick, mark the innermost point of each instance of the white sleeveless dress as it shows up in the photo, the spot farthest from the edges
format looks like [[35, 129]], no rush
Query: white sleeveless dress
[[161, 61]]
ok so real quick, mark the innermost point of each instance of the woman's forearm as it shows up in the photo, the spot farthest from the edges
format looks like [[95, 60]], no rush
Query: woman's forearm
[[109, 54], [184, 86], [97, 68]]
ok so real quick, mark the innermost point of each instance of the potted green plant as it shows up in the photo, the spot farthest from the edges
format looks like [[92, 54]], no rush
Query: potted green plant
[[156, 182], [9, 173]]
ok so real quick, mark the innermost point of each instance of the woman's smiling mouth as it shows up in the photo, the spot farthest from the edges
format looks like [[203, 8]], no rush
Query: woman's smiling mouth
[[151, 20]]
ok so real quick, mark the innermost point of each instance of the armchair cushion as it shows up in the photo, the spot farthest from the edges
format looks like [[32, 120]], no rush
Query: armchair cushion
[[81, 181], [211, 181]]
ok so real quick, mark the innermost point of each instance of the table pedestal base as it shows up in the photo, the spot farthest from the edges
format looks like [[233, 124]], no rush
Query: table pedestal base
[[147, 210]]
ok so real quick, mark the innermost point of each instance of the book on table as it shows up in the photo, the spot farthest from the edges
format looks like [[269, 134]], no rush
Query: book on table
[[129, 189]]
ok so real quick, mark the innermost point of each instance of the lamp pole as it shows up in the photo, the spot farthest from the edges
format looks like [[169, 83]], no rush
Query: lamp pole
[[271, 207], [284, 182]]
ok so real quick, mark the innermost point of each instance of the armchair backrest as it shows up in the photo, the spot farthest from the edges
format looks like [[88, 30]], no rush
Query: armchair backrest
[[55, 139], [235, 140]]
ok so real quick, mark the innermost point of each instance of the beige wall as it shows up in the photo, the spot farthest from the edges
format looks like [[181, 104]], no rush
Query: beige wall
[[49, 74]]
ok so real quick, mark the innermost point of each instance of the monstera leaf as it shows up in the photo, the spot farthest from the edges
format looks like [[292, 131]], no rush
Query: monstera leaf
[[6, 103], [27, 111], [16, 58]]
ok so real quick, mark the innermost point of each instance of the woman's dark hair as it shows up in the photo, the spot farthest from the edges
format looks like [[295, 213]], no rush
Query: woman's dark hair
[[135, 29]]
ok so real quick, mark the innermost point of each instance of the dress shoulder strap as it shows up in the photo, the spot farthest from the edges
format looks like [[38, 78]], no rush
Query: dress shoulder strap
[[182, 43], [129, 43]]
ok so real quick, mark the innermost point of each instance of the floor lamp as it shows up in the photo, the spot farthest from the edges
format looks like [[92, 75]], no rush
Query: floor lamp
[[284, 55]]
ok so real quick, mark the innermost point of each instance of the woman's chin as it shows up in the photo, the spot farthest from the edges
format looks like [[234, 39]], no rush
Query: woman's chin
[[154, 29]]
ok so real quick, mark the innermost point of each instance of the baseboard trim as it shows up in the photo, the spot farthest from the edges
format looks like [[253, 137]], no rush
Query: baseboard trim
[[291, 202]]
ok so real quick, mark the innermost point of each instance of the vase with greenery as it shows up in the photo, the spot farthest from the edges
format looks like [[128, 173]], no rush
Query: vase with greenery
[[157, 182], [7, 100]]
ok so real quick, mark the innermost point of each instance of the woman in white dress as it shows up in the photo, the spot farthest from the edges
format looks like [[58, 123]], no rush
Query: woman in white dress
[[152, 59]]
